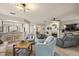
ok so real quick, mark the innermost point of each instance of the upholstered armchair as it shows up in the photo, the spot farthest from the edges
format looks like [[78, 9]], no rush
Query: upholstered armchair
[[47, 48]]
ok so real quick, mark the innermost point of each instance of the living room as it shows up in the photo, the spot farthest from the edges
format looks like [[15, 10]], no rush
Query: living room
[[39, 29]]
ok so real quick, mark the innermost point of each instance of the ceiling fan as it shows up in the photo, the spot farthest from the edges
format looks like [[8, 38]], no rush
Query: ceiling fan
[[54, 19], [25, 7]]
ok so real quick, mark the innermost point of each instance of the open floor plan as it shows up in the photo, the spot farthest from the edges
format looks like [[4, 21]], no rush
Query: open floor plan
[[39, 29]]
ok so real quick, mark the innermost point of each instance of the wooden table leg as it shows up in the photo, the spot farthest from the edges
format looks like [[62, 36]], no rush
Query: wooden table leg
[[13, 50], [30, 49]]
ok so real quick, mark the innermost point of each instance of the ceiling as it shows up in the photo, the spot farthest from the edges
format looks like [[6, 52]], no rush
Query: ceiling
[[43, 12]]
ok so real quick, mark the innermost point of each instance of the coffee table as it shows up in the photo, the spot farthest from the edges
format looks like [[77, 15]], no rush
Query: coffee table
[[27, 46]]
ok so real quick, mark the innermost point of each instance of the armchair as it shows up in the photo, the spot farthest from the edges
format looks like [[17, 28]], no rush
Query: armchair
[[47, 48]]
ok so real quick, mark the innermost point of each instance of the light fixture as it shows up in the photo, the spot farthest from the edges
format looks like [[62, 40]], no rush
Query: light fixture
[[53, 19], [64, 26], [23, 6]]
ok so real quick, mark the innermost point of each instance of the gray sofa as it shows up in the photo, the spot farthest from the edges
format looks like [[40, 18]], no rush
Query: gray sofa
[[68, 41]]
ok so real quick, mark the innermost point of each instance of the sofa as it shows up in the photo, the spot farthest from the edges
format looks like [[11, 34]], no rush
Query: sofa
[[68, 40], [47, 48]]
